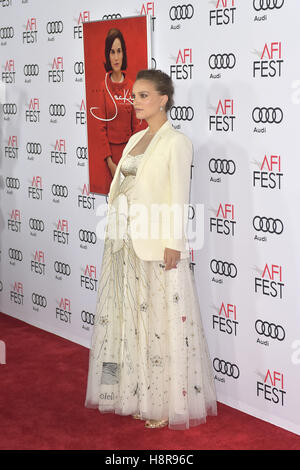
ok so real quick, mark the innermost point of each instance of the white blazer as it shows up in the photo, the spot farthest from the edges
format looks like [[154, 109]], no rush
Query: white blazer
[[163, 177]]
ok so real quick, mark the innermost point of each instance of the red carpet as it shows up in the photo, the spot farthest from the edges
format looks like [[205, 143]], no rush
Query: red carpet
[[42, 406]]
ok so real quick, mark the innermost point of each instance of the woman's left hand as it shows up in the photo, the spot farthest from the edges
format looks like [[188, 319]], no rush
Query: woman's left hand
[[171, 258]]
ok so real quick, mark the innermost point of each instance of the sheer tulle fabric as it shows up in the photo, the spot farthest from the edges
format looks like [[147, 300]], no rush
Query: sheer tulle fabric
[[148, 355]]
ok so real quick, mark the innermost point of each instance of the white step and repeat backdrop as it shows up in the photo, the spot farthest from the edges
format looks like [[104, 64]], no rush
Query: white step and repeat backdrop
[[235, 64]]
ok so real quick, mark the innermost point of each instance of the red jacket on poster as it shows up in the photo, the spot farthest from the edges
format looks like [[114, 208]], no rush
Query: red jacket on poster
[[116, 116]]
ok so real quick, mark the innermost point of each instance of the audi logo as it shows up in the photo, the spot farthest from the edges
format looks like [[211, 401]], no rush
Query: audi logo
[[181, 113], [222, 61], [13, 183], [34, 148], [269, 115], [227, 167], [31, 70], [54, 27], [270, 225], [15, 254], [59, 190], [36, 224], [9, 108], [87, 317], [39, 300], [87, 236], [226, 368], [223, 268], [113, 16], [79, 68], [267, 4], [181, 12], [270, 330], [62, 268], [81, 153], [57, 110], [7, 32]]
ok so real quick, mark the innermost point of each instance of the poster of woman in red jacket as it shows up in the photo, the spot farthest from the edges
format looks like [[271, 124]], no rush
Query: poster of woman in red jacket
[[114, 51]]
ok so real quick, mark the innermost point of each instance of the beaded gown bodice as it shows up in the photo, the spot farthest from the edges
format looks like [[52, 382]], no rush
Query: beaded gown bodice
[[131, 164]]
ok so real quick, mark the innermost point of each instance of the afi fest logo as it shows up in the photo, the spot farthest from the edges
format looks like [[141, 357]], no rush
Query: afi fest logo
[[88, 280], [270, 283], [9, 74], [85, 200], [35, 191], [30, 35], [63, 311], [183, 69], [269, 174], [14, 221], [148, 9], [61, 232], [224, 222], [59, 154], [224, 13], [32, 114], [56, 73], [270, 63], [223, 119], [11, 150], [37, 264], [16, 294], [82, 18], [272, 388], [225, 321]]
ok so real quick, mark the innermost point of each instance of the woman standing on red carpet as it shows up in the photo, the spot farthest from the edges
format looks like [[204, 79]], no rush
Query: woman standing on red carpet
[[149, 356], [115, 113]]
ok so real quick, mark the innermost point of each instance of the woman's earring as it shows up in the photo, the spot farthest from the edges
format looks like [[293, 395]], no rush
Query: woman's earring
[[161, 108]]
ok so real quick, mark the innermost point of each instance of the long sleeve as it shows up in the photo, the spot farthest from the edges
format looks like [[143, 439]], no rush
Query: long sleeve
[[103, 140], [179, 181]]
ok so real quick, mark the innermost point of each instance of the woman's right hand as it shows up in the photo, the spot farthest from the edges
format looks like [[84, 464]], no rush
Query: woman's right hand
[[111, 165]]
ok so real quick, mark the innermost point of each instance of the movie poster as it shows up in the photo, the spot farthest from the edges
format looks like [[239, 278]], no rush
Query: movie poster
[[114, 51]]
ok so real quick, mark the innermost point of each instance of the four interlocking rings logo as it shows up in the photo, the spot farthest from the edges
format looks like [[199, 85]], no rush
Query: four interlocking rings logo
[[113, 16], [81, 153], [222, 61], [62, 268], [13, 183], [9, 108], [270, 330], [31, 70], [181, 113], [265, 224], [227, 167], [39, 300], [267, 115], [87, 317], [15, 254], [79, 68], [87, 236], [34, 148], [57, 110], [223, 268], [226, 368], [181, 12], [7, 32], [267, 4], [55, 27], [36, 224], [59, 190]]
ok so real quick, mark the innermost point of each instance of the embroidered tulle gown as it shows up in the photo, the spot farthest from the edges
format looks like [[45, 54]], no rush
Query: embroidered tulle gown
[[148, 353]]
